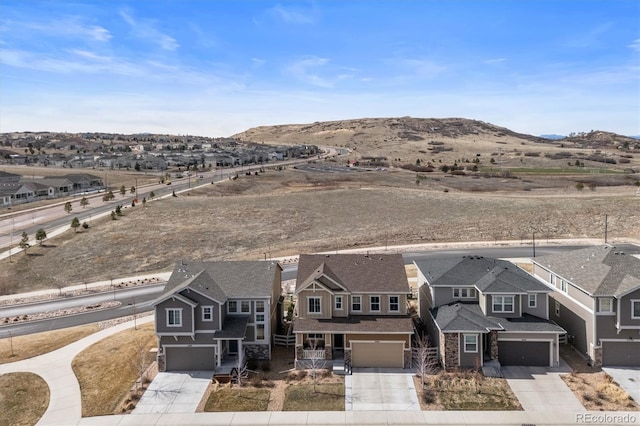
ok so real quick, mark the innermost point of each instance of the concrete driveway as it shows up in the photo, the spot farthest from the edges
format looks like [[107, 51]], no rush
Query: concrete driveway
[[541, 388], [628, 378], [175, 392], [378, 389]]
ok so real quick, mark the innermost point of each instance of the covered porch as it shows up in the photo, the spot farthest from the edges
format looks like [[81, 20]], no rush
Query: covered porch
[[230, 344]]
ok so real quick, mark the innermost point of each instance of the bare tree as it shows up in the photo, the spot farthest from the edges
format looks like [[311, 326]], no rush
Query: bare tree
[[140, 361], [240, 371], [316, 362], [425, 358]]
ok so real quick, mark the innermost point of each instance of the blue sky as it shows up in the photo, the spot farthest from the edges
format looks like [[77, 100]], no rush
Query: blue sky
[[215, 68]]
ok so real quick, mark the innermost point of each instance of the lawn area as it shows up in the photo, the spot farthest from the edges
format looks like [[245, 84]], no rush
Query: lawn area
[[238, 400], [466, 390], [24, 397], [327, 397], [108, 369], [40, 343]]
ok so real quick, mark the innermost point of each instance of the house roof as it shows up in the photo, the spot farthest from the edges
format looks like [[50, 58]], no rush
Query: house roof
[[468, 317], [598, 270], [355, 324], [358, 273], [458, 317], [233, 327], [486, 274], [222, 280]]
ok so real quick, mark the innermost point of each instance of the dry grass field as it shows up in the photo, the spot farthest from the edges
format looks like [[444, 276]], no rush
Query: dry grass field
[[281, 213], [24, 398]]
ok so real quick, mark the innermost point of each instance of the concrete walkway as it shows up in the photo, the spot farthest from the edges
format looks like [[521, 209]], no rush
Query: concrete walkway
[[628, 378], [65, 402], [174, 392], [541, 389]]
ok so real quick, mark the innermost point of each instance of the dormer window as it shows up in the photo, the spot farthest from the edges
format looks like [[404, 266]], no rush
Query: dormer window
[[605, 305], [464, 293], [503, 304], [315, 306]]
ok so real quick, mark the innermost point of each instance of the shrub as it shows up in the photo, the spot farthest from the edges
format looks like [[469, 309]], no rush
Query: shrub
[[252, 364], [265, 366]]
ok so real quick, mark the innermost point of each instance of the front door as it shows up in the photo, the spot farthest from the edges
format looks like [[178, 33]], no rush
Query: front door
[[338, 341], [233, 347]]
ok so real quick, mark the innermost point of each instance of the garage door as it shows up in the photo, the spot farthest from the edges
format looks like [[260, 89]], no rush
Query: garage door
[[371, 354], [621, 354], [193, 358], [524, 353]]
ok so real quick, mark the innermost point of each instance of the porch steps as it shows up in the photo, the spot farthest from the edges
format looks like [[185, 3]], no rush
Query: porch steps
[[340, 367]]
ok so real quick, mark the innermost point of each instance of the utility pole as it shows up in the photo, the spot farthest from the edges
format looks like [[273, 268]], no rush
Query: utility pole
[[534, 243], [606, 226]]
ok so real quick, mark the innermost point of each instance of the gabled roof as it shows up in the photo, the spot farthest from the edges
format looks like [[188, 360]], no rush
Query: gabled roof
[[461, 317], [325, 276], [598, 270], [358, 273], [486, 274], [222, 280]]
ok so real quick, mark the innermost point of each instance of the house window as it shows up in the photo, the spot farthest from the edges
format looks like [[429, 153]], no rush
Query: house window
[[470, 343], [245, 307], [394, 304], [260, 306], [314, 305], [356, 303], [174, 317], [552, 279], [207, 313], [563, 286], [502, 303], [259, 317], [338, 303], [464, 293], [557, 308], [259, 331], [232, 307], [605, 305], [533, 300], [374, 303], [635, 309]]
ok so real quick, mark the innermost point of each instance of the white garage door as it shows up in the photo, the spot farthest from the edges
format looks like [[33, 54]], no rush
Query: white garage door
[[377, 354]]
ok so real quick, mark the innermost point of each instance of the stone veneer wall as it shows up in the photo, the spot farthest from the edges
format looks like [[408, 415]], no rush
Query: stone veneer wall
[[257, 351], [408, 358], [162, 364], [347, 354], [493, 341], [441, 352], [451, 347], [328, 352], [597, 357]]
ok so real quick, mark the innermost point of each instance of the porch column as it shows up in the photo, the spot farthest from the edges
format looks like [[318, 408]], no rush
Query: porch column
[[240, 351], [218, 353]]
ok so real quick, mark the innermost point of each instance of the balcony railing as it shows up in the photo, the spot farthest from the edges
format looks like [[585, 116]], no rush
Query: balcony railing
[[313, 353]]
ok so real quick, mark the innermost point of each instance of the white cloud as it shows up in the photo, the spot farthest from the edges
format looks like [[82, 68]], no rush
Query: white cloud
[[635, 44], [293, 15], [495, 61], [69, 26], [306, 70], [146, 29]]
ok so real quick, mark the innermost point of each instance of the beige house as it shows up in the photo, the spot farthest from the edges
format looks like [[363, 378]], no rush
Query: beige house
[[352, 308]]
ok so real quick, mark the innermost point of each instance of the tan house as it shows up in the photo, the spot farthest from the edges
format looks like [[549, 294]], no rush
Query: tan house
[[352, 308], [596, 298]]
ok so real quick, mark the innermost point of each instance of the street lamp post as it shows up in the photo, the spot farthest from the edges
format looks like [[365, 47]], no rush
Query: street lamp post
[[534, 243], [135, 318]]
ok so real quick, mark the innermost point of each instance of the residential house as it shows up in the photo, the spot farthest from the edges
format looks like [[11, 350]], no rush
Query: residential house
[[215, 312], [481, 311], [596, 298], [352, 307]]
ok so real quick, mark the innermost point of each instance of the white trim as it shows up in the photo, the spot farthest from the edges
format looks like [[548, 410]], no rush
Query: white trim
[[464, 343], [600, 310], [468, 290], [210, 313], [359, 296], [319, 298], [166, 313], [389, 303], [335, 302], [229, 311], [503, 311], [242, 303], [632, 302], [178, 296], [371, 296], [535, 300], [551, 346]]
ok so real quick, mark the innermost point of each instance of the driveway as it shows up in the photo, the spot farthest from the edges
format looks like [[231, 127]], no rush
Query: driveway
[[628, 378], [175, 392], [378, 389], [541, 389]]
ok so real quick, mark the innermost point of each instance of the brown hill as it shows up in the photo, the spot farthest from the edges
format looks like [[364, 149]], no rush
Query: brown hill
[[437, 141]]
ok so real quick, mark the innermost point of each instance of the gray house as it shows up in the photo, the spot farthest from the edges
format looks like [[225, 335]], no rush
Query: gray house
[[212, 313], [596, 298], [481, 311]]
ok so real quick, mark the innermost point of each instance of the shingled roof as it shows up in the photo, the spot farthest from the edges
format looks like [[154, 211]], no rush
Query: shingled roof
[[358, 273], [221, 280], [486, 274], [598, 270]]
